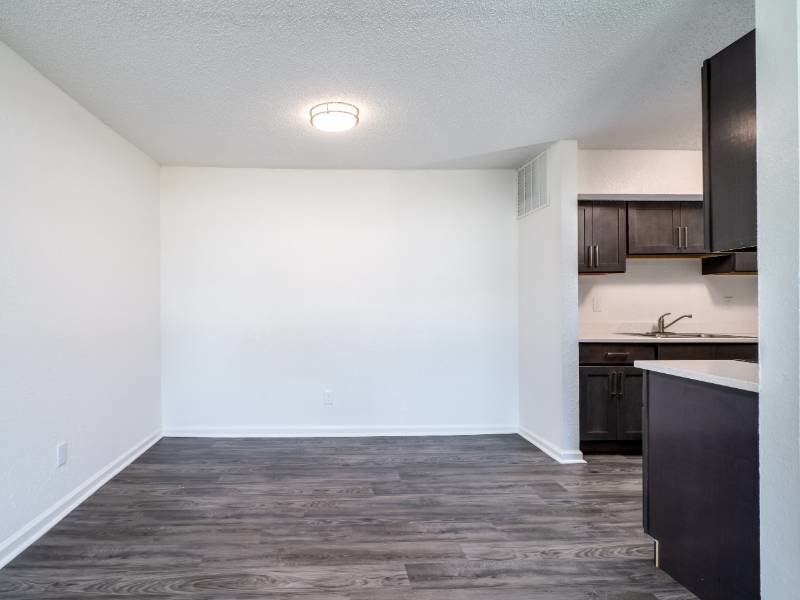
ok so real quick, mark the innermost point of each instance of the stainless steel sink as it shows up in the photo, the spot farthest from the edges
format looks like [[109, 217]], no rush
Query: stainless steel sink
[[675, 334]]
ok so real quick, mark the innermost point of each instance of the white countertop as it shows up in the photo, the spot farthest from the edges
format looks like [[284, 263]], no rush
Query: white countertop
[[619, 338], [729, 373]]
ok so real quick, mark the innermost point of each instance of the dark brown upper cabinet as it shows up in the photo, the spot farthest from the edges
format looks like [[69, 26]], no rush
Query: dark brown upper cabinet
[[601, 237], [670, 227], [729, 146]]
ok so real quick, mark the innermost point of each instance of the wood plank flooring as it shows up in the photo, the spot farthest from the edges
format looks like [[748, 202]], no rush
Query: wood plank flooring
[[423, 518]]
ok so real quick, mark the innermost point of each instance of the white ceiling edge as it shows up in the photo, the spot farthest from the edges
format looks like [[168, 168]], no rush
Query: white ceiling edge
[[442, 85]]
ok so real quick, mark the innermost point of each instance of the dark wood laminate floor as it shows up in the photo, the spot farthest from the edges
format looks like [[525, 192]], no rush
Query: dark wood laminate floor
[[423, 518]]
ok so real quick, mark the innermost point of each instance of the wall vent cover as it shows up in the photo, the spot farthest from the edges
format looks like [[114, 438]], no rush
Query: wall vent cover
[[532, 186]]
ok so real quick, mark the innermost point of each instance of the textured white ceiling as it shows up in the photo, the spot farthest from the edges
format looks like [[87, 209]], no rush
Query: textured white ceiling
[[441, 83]]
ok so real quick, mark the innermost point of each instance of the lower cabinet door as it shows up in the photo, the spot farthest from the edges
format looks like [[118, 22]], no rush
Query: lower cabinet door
[[598, 403], [629, 424]]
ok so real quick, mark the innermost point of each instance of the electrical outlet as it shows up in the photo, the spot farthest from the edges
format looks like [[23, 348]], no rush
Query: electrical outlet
[[596, 304], [327, 398], [62, 454]]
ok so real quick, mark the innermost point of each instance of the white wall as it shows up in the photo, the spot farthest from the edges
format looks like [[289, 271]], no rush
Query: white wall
[[779, 294], [640, 172], [548, 313], [651, 287], [397, 290], [79, 330]]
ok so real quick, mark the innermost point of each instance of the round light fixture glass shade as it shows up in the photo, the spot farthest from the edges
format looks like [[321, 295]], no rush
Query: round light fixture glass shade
[[334, 116]]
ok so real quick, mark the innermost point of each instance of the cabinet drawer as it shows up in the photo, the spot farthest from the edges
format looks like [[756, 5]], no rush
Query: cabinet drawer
[[707, 351], [737, 351], [615, 354], [687, 352]]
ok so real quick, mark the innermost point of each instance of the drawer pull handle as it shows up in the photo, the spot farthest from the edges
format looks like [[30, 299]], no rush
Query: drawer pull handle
[[618, 355]]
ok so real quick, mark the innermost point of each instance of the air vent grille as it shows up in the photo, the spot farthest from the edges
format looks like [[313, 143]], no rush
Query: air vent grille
[[532, 186]]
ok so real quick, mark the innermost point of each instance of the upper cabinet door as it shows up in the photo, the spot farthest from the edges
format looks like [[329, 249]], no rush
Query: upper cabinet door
[[729, 145], [601, 237], [693, 233], [608, 236], [584, 236], [654, 228]]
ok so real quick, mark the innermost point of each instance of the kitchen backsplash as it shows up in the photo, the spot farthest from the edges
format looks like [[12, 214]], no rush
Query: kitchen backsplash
[[632, 301]]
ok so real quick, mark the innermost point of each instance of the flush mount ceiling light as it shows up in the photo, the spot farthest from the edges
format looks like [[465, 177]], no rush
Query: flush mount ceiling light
[[334, 116]]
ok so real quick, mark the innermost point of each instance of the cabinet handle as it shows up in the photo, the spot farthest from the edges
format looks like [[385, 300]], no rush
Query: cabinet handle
[[623, 356], [685, 237], [619, 383], [615, 383], [589, 259], [676, 237], [597, 256]]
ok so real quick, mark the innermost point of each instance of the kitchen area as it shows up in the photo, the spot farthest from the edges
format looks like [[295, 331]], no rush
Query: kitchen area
[[668, 343]]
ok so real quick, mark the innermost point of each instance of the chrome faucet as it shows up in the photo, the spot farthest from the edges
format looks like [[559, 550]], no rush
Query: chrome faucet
[[662, 327]]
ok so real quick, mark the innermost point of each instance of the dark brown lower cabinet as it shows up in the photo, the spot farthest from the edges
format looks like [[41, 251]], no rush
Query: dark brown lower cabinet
[[701, 485], [598, 403], [610, 388], [610, 408]]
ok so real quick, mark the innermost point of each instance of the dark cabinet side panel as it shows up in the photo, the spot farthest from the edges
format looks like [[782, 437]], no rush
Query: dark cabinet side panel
[[682, 494], [730, 145], [646, 453], [702, 485]]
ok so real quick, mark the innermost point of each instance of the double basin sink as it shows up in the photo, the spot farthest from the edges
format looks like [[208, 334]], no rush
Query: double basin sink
[[675, 334]]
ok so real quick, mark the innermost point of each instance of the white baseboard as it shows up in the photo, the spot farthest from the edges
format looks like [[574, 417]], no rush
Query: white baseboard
[[32, 531], [335, 431], [565, 457]]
